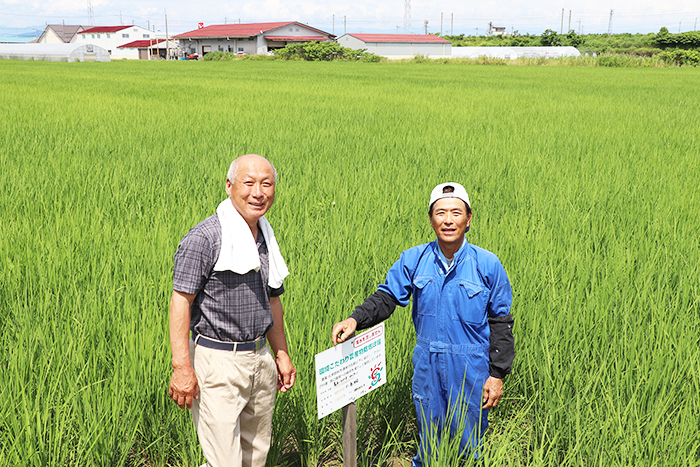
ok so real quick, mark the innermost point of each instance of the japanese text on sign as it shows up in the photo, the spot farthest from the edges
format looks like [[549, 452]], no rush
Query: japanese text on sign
[[350, 370]]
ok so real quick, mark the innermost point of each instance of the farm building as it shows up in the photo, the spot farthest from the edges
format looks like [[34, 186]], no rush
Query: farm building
[[250, 38], [111, 37], [54, 52], [397, 46], [511, 53], [496, 30], [60, 34], [151, 49]]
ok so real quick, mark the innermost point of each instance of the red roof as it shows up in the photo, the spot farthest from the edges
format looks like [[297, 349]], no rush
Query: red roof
[[234, 30], [104, 29], [414, 38], [140, 44], [240, 30], [297, 38]]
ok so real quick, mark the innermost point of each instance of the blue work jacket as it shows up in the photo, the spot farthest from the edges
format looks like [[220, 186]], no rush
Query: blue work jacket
[[451, 307]]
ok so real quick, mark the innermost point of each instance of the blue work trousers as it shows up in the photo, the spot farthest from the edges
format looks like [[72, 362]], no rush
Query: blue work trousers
[[448, 381]]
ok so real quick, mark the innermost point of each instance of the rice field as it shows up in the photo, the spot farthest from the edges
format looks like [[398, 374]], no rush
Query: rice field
[[584, 181]]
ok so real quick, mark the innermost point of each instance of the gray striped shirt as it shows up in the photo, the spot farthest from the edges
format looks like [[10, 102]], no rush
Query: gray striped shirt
[[229, 307]]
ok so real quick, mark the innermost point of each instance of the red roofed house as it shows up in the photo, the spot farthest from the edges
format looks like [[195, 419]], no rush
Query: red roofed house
[[397, 46], [153, 49], [251, 38], [112, 37]]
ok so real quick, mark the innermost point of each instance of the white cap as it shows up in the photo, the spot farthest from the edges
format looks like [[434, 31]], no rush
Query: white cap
[[457, 191]]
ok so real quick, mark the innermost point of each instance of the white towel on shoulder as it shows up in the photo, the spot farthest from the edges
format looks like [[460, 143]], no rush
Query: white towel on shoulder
[[239, 252]]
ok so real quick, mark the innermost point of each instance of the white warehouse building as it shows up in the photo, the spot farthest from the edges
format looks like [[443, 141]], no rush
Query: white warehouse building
[[398, 46], [249, 38], [111, 37]]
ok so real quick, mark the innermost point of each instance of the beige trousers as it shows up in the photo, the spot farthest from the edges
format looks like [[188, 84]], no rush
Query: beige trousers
[[233, 415]]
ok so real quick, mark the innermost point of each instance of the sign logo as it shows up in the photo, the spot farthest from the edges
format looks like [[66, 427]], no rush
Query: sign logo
[[200, 25], [376, 375]]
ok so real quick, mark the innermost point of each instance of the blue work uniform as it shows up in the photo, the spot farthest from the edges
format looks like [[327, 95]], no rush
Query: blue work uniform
[[452, 305]]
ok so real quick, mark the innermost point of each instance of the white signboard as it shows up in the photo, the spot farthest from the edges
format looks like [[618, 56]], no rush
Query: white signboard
[[350, 370]]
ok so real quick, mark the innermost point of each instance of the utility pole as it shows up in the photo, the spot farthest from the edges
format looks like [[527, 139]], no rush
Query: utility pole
[[167, 37], [225, 20], [579, 27], [149, 24], [440, 24], [334, 25], [569, 30], [679, 27], [562, 21], [452, 24], [121, 23], [407, 17], [610, 23], [425, 23], [91, 14], [345, 24]]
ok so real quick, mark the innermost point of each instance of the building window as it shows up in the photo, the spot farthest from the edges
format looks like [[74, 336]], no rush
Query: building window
[[107, 36], [98, 36], [136, 30], [93, 36], [240, 50], [146, 36], [125, 36]]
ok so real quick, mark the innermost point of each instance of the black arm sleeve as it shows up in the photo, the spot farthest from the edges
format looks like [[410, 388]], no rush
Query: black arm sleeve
[[375, 309], [502, 350]]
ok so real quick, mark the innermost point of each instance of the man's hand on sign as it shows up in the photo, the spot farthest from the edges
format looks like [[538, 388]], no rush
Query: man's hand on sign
[[343, 330], [493, 390]]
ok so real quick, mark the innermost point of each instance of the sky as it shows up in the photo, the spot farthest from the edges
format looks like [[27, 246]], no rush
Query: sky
[[29, 17]]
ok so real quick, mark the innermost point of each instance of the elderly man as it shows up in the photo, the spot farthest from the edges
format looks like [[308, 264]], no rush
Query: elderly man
[[227, 282], [461, 312]]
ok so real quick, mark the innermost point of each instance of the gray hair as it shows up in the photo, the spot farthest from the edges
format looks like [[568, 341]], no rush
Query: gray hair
[[233, 168]]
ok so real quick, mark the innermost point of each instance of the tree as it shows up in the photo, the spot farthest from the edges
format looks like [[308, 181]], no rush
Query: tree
[[550, 38], [574, 39]]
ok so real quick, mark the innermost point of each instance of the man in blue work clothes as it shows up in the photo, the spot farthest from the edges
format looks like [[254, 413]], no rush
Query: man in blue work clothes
[[461, 312]]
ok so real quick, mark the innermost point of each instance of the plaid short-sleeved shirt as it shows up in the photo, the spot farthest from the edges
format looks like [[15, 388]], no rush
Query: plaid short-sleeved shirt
[[229, 307]]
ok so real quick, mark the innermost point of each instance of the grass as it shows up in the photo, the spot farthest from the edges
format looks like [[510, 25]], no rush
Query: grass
[[583, 180]]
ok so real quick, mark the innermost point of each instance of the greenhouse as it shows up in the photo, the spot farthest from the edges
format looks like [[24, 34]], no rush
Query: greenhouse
[[54, 52], [511, 53]]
